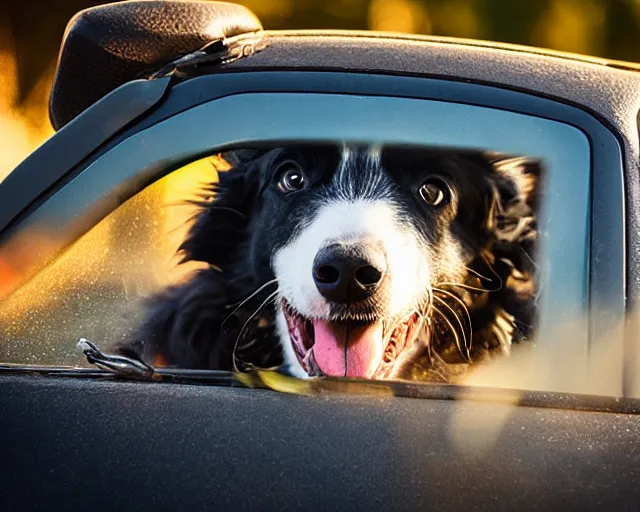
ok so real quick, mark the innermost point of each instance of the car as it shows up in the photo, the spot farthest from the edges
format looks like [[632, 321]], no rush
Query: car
[[147, 95]]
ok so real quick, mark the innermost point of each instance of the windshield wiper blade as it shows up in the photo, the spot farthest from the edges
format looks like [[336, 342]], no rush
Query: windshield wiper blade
[[130, 368]]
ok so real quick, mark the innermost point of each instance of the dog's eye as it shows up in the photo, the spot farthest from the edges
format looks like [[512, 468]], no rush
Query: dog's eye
[[434, 191], [291, 178]]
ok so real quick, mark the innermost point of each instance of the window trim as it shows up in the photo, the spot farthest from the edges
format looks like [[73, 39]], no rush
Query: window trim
[[151, 146]]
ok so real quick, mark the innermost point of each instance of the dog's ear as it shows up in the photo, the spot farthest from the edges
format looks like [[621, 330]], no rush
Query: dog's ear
[[517, 185], [514, 206], [220, 227]]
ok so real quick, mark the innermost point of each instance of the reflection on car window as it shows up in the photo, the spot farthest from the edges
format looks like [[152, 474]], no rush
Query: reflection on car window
[[364, 261], [93, 288]]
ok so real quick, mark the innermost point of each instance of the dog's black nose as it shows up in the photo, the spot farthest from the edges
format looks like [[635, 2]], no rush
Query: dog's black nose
[[348, 273]]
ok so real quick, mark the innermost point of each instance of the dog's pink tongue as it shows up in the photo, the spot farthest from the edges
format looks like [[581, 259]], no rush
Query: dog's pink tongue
[[363, 348]]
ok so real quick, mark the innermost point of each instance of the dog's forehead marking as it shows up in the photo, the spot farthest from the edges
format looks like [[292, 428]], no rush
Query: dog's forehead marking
[[360, 174]]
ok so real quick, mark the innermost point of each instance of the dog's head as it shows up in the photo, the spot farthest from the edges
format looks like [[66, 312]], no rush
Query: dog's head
[[351, 244]]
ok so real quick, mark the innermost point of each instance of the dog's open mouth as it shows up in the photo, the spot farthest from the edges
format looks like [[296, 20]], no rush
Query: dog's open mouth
[[349, 348]]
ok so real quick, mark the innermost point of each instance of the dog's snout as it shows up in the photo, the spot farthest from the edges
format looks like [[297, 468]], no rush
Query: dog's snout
[[349, 273]]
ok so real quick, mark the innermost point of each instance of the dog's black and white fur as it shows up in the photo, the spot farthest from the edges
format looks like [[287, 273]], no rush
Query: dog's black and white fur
[[372, 262]]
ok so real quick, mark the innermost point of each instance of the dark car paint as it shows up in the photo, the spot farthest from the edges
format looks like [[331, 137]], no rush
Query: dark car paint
[[73, 444]]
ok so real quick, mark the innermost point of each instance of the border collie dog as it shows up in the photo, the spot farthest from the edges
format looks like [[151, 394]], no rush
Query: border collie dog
[[383, 262]]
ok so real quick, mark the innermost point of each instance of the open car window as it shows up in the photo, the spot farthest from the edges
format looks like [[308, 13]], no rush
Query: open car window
[[459, 236], [93, 288]]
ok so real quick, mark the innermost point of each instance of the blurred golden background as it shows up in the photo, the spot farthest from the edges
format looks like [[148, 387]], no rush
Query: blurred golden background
[[31, 31]]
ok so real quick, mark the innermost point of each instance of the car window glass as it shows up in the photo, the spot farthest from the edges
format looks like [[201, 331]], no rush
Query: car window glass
[[360, 260], [92, 289]]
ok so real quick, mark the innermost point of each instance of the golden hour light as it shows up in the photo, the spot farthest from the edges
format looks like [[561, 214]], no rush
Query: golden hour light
[[135, 251], [319, 254], [162, 208], [23, 127]]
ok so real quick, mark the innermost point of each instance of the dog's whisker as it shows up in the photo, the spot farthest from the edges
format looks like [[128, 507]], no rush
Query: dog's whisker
[[264, 285], [430, 370], [453, 329], [490, 267], [256, 292], [424, 303], [478, 274], [462, 329], [533, 263], [467, 287], [235, 345], [475, 288], [464, 308], [437, 373]]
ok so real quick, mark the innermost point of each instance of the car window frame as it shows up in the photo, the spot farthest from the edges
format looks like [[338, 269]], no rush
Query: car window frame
[[129, 183]]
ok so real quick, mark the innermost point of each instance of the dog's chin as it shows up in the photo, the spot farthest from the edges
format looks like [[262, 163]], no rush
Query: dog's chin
[[366, 349]]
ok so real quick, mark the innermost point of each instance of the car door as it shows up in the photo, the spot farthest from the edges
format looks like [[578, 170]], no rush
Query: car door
[[93, 241]]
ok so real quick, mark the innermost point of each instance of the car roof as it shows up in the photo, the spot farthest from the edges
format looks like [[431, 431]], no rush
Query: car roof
[[586, 81], [109, 45], [396, 37], [610, 90]]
